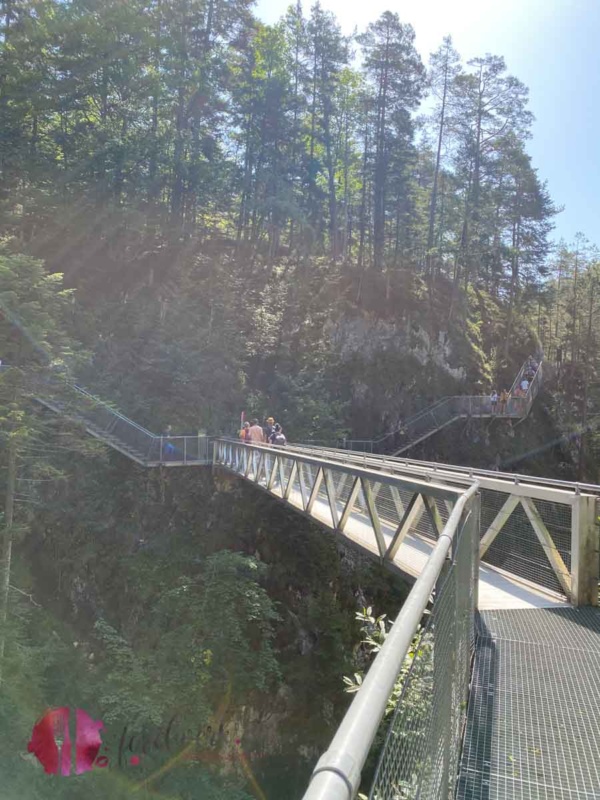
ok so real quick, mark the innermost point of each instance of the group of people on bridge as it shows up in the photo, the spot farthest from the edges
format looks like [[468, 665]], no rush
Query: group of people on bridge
[[269, 433], [500, 402]]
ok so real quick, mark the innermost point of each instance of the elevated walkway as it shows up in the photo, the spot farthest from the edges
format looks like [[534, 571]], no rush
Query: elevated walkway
[[107, 424], [396, 515], [448, 410]]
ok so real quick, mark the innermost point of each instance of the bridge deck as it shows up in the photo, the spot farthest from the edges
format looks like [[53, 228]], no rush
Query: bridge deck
[[532, 728]]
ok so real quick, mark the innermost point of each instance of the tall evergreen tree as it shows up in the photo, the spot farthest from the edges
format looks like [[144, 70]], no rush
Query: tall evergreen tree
[[397, 76]]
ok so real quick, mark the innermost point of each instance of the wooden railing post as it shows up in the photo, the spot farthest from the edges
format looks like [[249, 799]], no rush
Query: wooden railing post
[[584, 551]]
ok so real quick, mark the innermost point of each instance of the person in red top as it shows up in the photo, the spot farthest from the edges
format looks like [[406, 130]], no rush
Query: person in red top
[[256, 435]]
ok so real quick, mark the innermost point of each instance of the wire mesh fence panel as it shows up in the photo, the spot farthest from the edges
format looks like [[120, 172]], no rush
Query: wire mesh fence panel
[[389, 502], [557, 519], [425, 526], [406, 761], [260, 468], [422, 746], [273, 475], [252, 466], [153, 453], [521, 549], [305, 476], [359, 506], [286, 469], [343, 483], [359, 445], [196, 449], [296, 495]]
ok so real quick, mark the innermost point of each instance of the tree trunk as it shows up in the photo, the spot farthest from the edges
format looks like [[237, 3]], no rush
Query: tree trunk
[[474, 205], [434, 190], [514, 280], [177, 190], [7, 546], [333, 223], [153, 181], [363, 198], [380, 177], [574, 348]]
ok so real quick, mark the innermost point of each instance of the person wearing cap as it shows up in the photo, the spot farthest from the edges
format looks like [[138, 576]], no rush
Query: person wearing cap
[[244, 432]]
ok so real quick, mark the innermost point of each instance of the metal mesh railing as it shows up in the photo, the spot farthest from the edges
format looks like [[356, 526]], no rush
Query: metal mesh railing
[[382, 512], [378, 511], [422, 748], [445, 411], [527, 524], [419, 758], [106, 423], [518, 549]]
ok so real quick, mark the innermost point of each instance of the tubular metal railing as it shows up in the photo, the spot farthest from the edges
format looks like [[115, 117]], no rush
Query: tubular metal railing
[[422, 746], [382, 513]]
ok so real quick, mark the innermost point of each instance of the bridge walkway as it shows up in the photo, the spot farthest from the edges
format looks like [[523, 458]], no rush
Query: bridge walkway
[[532, 728], [534, 694], [497, 589]]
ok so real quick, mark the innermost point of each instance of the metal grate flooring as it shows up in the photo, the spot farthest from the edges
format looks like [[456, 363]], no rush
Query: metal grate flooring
[[533, 726]]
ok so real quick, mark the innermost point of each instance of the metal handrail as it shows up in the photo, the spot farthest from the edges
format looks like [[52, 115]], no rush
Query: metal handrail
[[433, 469], [411, 420], [456, 406], [108, 407], [338, 771], [428, 486], [117, 430]]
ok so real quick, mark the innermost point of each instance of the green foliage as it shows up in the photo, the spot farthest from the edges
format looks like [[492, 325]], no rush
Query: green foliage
[[222, 621], [375, 631]]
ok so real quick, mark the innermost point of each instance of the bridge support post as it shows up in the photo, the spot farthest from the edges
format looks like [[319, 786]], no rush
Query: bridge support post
[[475, 522], [584, 551]]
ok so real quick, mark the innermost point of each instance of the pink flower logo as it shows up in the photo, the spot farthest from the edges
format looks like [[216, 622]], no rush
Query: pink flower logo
[[51, 741]]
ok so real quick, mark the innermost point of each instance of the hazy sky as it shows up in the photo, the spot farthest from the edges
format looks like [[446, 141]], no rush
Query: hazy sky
[[552, 46]]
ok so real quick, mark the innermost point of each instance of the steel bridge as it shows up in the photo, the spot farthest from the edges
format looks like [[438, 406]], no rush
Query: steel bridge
[[495, 654]]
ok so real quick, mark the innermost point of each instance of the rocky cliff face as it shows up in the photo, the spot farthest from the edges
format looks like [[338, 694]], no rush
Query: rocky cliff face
[[365, 337], [391, 370]]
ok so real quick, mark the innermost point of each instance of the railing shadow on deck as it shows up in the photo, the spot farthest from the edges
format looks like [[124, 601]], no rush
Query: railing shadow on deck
[[474, 779]]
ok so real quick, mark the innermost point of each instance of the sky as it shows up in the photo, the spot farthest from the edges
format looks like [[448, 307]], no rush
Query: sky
[[552, 46]]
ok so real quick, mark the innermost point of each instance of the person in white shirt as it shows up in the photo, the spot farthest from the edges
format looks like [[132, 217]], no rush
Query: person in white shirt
[[494, 400]]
